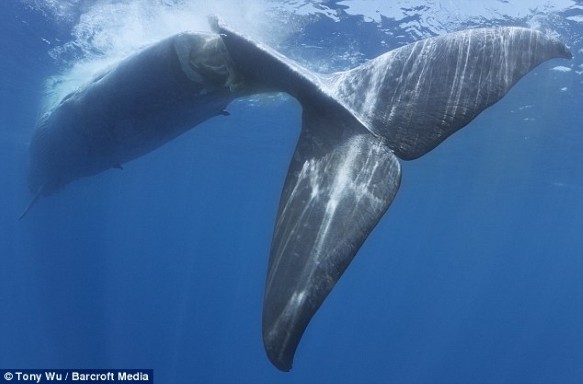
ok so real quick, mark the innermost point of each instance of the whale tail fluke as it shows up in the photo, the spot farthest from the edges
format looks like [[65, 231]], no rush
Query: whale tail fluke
[[344, 173]]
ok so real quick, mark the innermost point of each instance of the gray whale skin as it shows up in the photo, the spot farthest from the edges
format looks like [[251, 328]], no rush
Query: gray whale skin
[[345, 171]]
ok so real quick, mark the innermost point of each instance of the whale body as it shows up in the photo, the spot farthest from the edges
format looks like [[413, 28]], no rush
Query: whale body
[[345, 171], [145, 101]]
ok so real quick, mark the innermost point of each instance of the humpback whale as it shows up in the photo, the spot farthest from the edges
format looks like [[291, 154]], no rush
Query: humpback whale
[[356, 127]]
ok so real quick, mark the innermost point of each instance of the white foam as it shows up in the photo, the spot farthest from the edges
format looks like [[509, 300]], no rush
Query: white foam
[[561, 68]]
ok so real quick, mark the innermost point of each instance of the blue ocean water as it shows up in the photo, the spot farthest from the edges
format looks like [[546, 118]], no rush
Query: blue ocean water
[[473, 276]]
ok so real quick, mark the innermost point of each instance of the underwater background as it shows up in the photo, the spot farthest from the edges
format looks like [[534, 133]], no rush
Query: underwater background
[[475, 274]]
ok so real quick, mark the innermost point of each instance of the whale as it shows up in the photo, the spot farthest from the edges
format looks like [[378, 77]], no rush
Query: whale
[[131, 109], [356, 128]]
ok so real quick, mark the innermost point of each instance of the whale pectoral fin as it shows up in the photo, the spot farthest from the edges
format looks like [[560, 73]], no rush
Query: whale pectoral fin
[[37, 196], [418, 95], [340, 182]]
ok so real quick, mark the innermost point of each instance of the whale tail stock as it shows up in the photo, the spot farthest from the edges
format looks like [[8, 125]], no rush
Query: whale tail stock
[[344, 173]]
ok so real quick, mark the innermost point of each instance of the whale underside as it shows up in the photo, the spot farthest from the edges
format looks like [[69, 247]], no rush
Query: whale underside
[[345, 170]]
